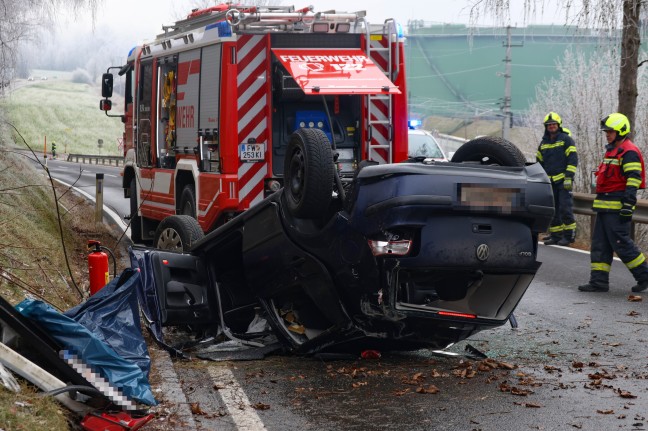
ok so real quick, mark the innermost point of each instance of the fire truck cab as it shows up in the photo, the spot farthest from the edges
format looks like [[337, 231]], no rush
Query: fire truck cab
[[221, 104]]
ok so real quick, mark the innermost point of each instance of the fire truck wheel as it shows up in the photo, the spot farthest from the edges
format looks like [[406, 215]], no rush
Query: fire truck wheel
[[188, 201], [135, 221], [490, 151], [177, 233], [308, 173]]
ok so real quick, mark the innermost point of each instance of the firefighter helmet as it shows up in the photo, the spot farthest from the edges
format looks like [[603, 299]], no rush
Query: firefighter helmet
[[553, 118], [617, 122]]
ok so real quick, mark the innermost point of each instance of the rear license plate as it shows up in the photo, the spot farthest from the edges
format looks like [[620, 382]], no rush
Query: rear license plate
[[251, 152]]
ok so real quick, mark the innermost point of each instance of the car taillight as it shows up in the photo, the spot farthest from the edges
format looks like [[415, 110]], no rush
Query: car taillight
[[453, 314], [396, 248]]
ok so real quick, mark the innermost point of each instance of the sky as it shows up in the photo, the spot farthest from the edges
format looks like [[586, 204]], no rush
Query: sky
[[143, 19]]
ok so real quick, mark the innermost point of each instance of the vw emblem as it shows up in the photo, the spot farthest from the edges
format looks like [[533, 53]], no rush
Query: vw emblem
[[482, 252]]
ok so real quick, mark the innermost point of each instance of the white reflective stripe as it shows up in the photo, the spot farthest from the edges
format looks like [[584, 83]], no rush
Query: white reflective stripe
[[244, 50], [232, 190], [244, 168], [245, 74], [254, 181], [249, 115], [258, 198], [211, 203], [376, 157]]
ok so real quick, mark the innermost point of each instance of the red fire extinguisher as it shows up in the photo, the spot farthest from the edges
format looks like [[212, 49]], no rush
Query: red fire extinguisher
[[98, 267]]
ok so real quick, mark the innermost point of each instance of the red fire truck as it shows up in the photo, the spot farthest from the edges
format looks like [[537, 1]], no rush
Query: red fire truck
[[213, 102]]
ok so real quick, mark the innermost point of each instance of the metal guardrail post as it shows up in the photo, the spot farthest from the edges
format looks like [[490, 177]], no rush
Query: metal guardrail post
[[99, 198]]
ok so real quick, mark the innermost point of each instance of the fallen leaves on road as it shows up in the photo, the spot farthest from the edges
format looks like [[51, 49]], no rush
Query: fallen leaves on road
[[605, 412], [624, 394], [431, 389], [633, 313], [529, 405], [634, 298], [260, 406], [197, 410], [514, 390]]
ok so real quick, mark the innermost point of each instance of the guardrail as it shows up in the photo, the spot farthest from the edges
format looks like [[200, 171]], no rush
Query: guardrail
[[86, 158], [583, 205]]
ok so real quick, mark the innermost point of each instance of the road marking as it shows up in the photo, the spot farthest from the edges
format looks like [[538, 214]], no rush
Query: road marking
[[236, 402], [577, 250], [173, 391]]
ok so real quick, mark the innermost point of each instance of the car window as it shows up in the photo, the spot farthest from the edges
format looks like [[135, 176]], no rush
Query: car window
[[424, 145]]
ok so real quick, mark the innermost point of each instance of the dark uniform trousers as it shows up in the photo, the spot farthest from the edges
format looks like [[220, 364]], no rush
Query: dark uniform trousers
[[563, 223], [613, 235]]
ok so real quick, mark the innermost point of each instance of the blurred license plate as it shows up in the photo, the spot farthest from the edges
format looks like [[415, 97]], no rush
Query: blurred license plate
[[251, 152], [484, 196]]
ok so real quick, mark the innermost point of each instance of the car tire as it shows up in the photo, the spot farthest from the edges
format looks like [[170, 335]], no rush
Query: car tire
[[177, 233], [135, 220], [188, 201], [308, 173], [490, 151]]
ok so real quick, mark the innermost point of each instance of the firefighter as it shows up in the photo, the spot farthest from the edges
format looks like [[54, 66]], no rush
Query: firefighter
[[557, 155], [617, 179]]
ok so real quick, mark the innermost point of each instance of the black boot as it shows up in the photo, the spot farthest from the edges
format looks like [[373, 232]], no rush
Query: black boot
[[565, 241], [590, 287], [640, 287], [552, 241]]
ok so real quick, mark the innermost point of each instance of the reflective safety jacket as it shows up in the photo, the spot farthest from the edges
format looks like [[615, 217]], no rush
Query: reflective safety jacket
[[558, 156], [619, 176]]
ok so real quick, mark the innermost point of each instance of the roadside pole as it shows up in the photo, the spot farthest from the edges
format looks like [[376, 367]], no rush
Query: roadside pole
[[99, 198]]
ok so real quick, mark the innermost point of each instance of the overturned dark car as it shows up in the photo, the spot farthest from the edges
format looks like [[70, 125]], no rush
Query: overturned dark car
[[399, 256]]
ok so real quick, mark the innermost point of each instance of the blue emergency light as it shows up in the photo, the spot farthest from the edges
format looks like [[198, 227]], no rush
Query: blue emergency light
[[413, 124]]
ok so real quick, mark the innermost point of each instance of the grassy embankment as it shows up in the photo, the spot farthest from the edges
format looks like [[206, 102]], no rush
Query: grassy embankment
[[65, 112], [32, 261]]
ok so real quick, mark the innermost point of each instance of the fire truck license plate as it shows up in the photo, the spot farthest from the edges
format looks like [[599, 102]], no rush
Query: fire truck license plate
[[252, 152]]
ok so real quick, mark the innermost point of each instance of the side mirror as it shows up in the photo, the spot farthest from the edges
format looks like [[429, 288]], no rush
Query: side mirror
[[106, 85], [105, 105]]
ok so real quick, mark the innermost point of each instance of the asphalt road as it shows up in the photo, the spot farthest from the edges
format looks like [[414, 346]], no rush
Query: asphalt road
[[84, 179], [579, 362]]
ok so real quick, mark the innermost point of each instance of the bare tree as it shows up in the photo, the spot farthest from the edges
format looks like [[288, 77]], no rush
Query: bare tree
[[581, 94], [20, 21], [600, 14]]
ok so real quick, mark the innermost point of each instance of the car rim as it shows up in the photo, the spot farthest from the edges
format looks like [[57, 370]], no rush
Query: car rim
[[170, 240]]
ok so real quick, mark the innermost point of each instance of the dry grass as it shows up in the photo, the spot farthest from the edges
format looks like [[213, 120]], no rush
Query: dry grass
[[27, 411]]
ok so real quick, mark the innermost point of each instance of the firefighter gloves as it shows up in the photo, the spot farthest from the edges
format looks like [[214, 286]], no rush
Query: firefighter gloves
[[625, 214], [567, 185]]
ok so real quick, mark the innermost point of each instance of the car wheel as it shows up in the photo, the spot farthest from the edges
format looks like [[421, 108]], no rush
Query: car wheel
[[135, 220], [177, 233], [308, 173], [188, 201], [490, 151]]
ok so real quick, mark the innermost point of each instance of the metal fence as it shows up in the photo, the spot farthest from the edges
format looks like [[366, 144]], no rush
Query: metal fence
[[583, 205], [85, 158]]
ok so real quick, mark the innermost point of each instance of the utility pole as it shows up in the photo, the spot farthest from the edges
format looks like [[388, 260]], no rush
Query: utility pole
[[507, 119]]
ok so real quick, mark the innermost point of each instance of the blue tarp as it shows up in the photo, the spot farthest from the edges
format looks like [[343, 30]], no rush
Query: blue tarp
[[105, 333]]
